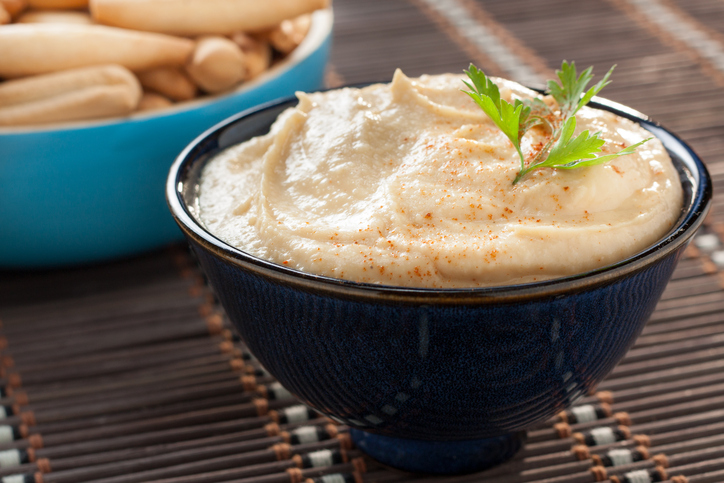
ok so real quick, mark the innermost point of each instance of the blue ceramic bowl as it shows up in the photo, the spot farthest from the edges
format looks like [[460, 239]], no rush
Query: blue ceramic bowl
[[83, 192], [434, 380]]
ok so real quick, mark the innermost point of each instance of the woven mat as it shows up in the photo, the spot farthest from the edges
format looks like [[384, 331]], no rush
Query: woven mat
[[128, 371]]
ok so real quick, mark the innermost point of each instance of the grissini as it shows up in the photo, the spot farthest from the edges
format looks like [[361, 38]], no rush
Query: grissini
[[76, 94], [55, 16], [58, 4], [257, 54], [200, 17], [217, 64], [14, 7], [289, 34], [4, 16], [29, 89], [150, 101], [30, 49], [170, 82]]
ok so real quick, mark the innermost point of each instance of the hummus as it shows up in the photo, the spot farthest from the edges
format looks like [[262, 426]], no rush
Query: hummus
[[410, 184]]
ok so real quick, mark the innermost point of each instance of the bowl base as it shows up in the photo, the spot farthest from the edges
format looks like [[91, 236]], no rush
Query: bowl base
[[438, 457]]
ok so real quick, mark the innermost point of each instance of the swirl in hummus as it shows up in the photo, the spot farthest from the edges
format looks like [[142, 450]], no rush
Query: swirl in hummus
[[410, 184]]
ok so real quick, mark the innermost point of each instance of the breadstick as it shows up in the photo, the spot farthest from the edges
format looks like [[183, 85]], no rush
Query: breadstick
[[152, 101], [4, 16], [55, 16], [86, 93], [91, 103], [257, 54], [14, 7], [216, 64], [59, 4], [168, 81], [29, 89], [29, 49], [200, 17], [290, 33]]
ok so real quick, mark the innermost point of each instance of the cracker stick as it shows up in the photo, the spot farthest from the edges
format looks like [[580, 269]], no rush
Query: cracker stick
[[55, 16], [58, 4], [14, 7], [152, 101], [257, 54], [289, 34], [200, 17], [30, 89], [168, 81], [217, 64], [39, 87], [29, 49], [91, 103], [4, 16], [85, 93]]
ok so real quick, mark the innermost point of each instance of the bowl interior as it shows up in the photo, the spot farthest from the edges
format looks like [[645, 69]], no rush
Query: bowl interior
[[182, 193]]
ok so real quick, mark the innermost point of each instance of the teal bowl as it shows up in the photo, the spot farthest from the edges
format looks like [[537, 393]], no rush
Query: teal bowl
[[84, 192]]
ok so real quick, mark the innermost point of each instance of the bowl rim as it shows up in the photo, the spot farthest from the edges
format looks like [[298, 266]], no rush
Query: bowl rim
[[319, 31], [676, 238]]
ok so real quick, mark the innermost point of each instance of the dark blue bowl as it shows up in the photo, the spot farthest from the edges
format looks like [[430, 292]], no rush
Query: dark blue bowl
[[434, 380]]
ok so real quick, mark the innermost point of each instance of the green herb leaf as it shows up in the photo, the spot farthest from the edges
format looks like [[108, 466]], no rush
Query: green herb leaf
[[534, 113], [569, 92], [594, 90], [581, 163], [505, 115], [569, 153], [483, 85], [566, 150], [562, 151]]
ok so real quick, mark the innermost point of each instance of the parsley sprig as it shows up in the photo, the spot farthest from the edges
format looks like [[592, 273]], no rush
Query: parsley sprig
[[562, 150]]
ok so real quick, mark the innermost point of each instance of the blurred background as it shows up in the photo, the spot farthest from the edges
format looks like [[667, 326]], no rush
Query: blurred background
[[669, 53]]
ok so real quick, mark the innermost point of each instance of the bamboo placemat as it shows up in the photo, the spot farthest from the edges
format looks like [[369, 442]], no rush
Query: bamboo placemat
[[128, 371]]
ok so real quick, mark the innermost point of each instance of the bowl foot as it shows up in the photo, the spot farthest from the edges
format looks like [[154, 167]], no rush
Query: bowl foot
[[439, 457]]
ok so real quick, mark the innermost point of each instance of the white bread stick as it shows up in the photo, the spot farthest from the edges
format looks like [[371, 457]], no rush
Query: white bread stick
[[55, 16], [14, 7], [170, 82], [29, 89], [30, 49], [58, 4], [290, 33], [257, 54], [91, 103], [150, 101], [217, 64], [200, 17], [86, 93], [4, 16]]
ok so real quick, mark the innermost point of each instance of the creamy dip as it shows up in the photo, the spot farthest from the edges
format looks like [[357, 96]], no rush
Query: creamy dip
[[410, 184]]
